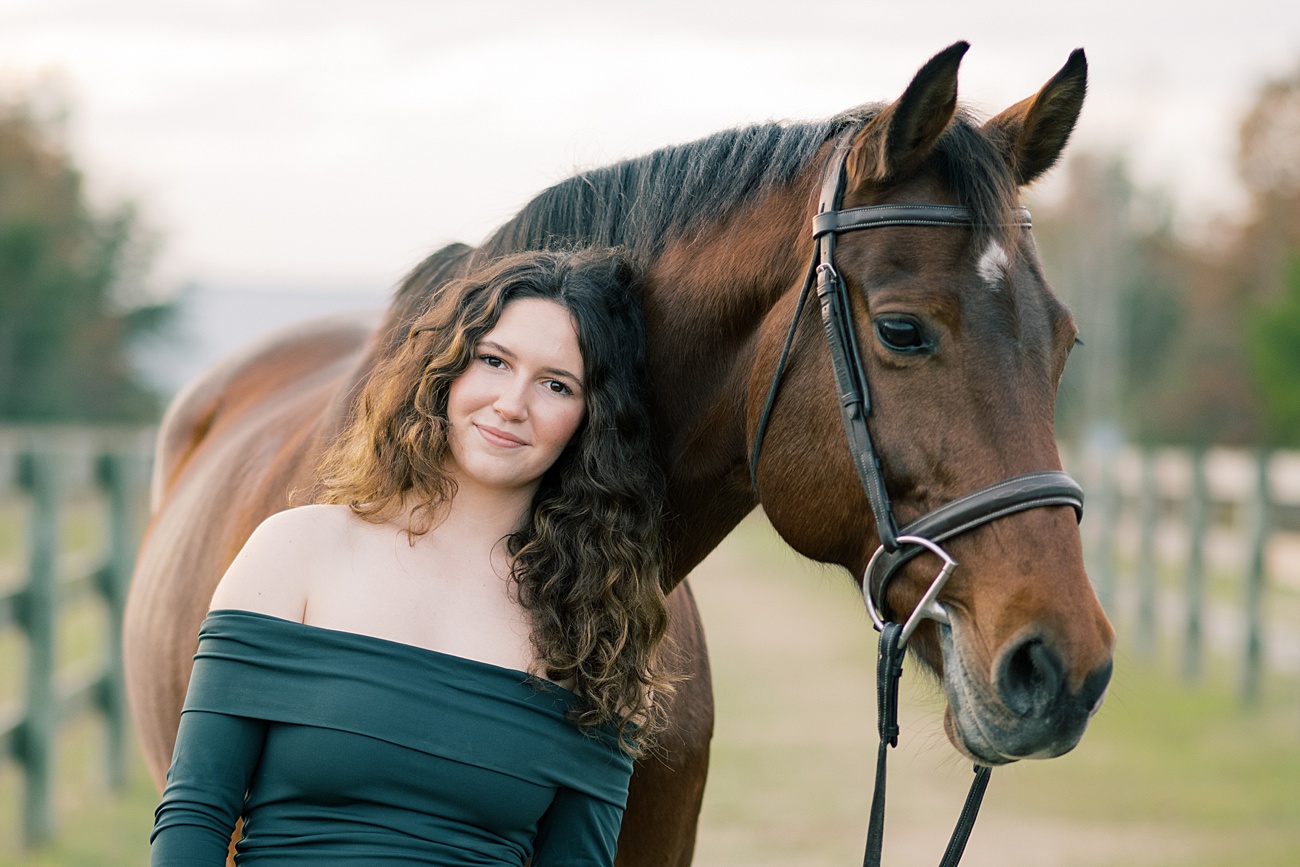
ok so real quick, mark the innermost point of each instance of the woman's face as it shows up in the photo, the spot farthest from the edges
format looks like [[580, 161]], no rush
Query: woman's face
[[517, 405]]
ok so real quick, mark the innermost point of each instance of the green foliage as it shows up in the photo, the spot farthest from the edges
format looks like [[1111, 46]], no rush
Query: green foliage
[[69, 277], [1273, 347]]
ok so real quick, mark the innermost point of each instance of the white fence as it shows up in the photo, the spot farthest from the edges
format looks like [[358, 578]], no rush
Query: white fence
[[1205, 543]]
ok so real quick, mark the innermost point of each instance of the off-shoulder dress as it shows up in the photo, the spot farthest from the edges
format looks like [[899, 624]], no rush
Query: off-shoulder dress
[[344, 749]]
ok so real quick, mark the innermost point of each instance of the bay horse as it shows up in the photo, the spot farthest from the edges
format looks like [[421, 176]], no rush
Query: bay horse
[[961, 339]]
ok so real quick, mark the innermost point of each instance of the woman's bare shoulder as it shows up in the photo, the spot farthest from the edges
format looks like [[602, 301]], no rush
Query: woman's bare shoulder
[[272, 573]]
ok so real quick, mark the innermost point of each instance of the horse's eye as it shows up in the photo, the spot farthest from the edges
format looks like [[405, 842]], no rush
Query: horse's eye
[[902, 334]]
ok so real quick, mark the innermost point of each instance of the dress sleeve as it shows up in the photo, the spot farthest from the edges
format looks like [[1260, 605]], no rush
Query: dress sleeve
[[577, 831], [213, 762]]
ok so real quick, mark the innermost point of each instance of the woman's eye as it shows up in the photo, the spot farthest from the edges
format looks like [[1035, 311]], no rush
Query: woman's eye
[[491, 360], [902, 334], [558, 387]]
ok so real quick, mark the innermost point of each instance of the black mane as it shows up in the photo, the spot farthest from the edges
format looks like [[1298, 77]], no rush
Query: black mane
[[638, 203]]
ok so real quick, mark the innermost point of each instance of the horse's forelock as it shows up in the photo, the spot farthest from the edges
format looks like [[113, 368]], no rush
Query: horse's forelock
[[980, 177]]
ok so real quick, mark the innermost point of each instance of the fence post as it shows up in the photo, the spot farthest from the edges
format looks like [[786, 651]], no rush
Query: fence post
[[39, 475], [1258, 526], [120, 475], [1148, 518], [1198, 523], [1105, 508]]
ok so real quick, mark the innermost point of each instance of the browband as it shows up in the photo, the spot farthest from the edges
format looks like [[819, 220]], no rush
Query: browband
[[874, 216]]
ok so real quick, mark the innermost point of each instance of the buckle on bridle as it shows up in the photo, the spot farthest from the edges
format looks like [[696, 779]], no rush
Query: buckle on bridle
[[928, 607]]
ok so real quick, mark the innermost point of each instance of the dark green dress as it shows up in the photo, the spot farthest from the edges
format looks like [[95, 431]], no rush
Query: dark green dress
[[344, 749]]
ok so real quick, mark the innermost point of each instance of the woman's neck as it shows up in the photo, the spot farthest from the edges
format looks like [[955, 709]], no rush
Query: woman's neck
[[489, 514]]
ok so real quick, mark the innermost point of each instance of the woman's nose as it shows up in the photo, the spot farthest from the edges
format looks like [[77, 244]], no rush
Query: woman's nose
[[512, 402]]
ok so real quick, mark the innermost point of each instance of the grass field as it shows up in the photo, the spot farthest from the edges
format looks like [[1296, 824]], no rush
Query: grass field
[[1166, 775]]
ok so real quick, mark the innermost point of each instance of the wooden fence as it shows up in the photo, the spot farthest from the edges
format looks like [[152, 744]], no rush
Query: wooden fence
[[1175, 539], [1203, 542], [55, 485]]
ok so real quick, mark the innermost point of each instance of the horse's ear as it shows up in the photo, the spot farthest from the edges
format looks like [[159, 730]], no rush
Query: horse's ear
[[1033, 132], [899, 139]]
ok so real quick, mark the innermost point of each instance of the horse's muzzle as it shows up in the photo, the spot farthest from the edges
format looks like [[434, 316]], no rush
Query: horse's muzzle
[[1026, 711]]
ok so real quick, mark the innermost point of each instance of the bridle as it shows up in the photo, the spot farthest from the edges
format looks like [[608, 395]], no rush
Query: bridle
[[897, 545]]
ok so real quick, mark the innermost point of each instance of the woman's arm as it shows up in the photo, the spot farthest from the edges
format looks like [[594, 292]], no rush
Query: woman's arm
[[577, 831], [216, 753], [213, 762]]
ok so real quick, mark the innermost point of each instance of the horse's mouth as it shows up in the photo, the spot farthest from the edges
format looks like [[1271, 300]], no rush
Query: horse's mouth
[[982, 727]]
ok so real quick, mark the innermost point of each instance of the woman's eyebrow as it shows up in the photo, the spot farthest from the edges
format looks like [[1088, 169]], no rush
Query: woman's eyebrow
[[505, 351], [495, 347], [561, 372]]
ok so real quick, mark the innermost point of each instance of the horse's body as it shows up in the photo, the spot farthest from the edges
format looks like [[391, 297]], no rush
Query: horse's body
[[722, 230]]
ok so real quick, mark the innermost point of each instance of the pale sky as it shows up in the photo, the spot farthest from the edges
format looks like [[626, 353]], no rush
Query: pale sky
[[330, 145]]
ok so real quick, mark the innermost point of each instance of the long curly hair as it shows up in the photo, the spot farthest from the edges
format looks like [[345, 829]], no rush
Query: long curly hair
[[588, 563]]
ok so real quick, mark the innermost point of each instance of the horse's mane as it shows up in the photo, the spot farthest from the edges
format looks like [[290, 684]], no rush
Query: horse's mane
[[640, 203]]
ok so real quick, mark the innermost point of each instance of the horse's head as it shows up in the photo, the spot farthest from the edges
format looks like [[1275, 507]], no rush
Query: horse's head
[[962, 345]]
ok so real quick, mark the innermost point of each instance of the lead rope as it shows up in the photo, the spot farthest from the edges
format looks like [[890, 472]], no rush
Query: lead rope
[[889, 670]]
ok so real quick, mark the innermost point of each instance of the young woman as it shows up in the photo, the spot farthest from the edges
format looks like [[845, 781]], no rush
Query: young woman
[[451, 658]]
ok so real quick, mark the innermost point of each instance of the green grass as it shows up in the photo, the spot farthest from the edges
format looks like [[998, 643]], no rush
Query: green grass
[[1166, 775], [1206, 749], [96, 826], [1191, 769]]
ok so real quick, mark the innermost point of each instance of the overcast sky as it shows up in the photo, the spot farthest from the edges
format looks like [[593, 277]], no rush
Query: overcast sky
[[303, 143]]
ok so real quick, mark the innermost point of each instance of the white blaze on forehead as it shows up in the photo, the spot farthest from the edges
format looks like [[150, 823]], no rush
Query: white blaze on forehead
[[993, 265]]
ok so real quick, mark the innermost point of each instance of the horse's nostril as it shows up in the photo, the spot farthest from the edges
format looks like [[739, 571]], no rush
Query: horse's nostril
[[1029, 678], [1094, 687]]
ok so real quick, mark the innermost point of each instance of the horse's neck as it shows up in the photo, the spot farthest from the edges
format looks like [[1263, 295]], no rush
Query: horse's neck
[[706, 298], [412, 298]]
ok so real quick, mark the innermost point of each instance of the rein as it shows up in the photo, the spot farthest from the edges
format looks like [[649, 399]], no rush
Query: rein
[[897, 546]]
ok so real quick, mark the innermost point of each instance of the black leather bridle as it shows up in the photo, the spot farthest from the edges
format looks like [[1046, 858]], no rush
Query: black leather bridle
[[897, 545]]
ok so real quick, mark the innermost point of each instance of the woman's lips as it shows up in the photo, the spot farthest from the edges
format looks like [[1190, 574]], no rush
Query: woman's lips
[[499, 437]]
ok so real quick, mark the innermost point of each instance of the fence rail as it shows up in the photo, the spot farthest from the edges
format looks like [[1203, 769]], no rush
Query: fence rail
[[1203, 541], [43, 473], [1222, 527]]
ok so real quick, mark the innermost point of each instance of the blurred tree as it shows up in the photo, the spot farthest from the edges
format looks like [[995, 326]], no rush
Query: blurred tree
[[1092, 217], [1186, 341], [1273, 346], [1112, 256], [71, 287], [1268, 157], [1263, 268]]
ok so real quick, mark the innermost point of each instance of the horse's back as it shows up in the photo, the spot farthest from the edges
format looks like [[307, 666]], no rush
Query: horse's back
[[267, 367], [233, 448]]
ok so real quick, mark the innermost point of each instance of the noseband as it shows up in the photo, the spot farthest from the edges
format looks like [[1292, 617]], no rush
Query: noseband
[[897, 545]]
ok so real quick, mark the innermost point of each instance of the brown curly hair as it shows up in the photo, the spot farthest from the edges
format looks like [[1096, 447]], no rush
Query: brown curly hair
[[588, 564]]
